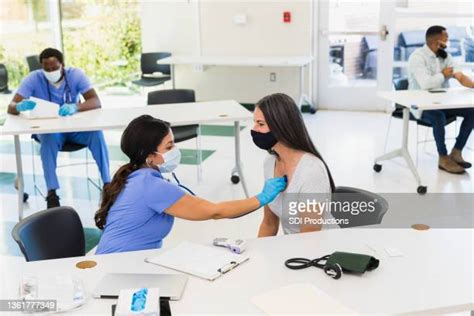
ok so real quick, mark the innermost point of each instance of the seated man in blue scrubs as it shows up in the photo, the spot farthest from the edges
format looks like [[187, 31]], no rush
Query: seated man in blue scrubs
[[63, 86]]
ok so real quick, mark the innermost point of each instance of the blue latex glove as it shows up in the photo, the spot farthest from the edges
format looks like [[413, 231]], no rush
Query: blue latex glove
[[271, 189], [67, 109], [25, 105]]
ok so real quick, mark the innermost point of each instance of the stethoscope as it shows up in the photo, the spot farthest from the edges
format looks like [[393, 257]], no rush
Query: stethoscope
[[333, 270], [67, 96], [181, 185], [178, 183]]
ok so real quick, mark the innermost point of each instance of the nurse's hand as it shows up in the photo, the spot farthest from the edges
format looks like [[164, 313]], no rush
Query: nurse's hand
[[271, 189], [25, 105], [67, 109]]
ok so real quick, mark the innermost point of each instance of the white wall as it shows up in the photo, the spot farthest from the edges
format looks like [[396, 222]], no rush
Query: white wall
[[173, 26]]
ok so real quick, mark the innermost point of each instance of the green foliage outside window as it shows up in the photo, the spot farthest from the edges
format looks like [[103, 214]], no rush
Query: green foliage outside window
[[107, 48]]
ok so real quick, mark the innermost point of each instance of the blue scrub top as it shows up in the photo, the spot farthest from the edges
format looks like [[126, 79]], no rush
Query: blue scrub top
[[75, 84], [137, 220]]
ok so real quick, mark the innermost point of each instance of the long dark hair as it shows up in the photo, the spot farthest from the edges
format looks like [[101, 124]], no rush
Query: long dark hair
[[286, 124], [140, 138]]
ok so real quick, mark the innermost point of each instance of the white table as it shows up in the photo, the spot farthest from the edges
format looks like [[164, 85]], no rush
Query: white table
[[102, 119], [296, 61], [421, 100], [434, 275]]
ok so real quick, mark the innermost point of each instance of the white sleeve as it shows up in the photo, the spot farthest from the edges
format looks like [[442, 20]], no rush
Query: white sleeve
[[450, 62], [419, 69]]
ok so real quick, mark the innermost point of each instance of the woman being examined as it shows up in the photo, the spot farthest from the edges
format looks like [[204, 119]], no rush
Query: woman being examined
[[139, 206], [279, 129]]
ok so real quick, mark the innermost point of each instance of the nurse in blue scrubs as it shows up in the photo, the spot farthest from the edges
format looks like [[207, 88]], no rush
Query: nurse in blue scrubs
[[138, 208], [63, 86]]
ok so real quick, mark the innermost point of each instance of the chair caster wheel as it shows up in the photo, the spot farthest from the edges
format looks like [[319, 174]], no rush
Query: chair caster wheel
[[377, 167], [235, 179], [25, 197], [421, 190]]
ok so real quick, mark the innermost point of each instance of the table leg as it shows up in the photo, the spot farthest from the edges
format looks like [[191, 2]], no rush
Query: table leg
[[303, 96], [237, 174], [19, 173], [173, 84], [403, 151]]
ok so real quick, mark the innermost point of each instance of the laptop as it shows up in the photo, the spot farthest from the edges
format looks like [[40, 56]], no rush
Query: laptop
[[171, 285]]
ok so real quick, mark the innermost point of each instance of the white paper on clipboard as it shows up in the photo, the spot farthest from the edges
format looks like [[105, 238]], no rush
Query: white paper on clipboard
[[43, 109], [202, 261]]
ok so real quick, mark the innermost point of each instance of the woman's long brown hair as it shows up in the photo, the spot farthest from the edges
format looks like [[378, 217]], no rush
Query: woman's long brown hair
[[286, 124], [141, 138]]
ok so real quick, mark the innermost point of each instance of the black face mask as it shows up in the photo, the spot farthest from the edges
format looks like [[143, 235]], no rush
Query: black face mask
[[264, 141], [442, 51]]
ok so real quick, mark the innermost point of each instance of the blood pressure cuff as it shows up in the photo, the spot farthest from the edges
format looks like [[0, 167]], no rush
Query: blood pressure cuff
[[353, 262]]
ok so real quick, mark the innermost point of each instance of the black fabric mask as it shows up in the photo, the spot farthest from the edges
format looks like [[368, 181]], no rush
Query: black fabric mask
[[442, 52], [264, 141]]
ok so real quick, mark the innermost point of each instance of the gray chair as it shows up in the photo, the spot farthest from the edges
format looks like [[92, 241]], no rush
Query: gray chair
[[149, 67], [4, 79], [33, 62], [181, 133], [51, 234], [349, 194]]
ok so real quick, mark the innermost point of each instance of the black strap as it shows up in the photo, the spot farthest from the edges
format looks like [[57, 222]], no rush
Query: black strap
[[303, 263]]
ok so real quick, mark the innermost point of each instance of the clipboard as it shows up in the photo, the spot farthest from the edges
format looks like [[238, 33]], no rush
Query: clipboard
[[44, 109], [205, 262]]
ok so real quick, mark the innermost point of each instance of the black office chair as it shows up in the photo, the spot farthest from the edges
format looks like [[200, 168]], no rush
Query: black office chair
[[402, 84], [349, 194], [149, 67], [181, 133], [4, 79], [33, 62], [51, 234]]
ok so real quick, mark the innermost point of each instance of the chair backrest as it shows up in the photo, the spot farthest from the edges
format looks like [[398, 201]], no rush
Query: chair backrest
[[171, 96], [148, 63], [370, 42], [411, 38], [33, 62], [51, 234], [3, 78], [469, 48], [350, 195], [400, 83]]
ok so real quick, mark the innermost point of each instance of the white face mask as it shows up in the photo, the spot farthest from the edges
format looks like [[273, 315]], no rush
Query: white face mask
[[53, 76], [171, 160]]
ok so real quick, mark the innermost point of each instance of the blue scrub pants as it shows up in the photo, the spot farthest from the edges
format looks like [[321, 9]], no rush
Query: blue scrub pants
[[51, 144], [437, 118]]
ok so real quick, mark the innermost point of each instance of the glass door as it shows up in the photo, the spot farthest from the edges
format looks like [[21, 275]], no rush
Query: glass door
[[355, 53]]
